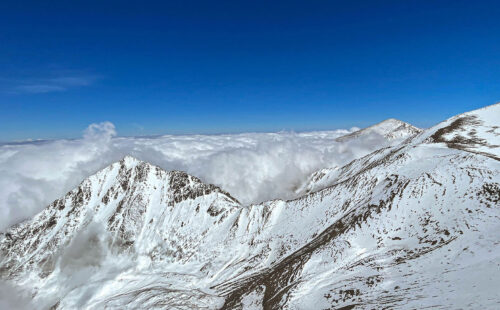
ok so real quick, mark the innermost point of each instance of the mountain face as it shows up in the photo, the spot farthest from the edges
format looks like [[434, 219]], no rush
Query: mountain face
[[391, 129], [409, 226]]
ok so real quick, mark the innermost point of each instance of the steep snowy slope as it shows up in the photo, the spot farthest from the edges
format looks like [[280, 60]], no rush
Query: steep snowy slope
[[391, 129], [394, 131], [476, 131], [405, 227], [410, 226], [319, 180]]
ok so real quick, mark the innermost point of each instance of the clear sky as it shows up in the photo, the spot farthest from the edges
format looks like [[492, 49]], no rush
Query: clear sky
[[234, 66]]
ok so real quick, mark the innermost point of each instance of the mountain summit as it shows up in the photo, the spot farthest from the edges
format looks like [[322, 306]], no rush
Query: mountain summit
[[408, 226], [391, 129]]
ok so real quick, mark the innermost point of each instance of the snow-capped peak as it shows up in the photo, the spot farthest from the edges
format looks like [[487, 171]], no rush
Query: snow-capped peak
[[132, 200], [391, 128], [130, 161]]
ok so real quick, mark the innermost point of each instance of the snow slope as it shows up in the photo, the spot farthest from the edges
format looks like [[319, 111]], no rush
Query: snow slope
[[476, 131], [392, 130], [410, 226]]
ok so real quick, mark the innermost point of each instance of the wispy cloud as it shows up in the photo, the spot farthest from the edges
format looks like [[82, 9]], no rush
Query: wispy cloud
[[54, 83], [38, 88]]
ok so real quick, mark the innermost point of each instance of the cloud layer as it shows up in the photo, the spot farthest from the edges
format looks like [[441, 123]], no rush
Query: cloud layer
[[253, 167]]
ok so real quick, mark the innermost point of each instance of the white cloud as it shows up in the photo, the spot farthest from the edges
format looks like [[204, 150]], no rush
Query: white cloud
[[59, 83], [253, 167], [39, 88], [102, 132]]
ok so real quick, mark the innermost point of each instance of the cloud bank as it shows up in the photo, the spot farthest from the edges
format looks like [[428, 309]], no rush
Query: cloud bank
[[253, 167]]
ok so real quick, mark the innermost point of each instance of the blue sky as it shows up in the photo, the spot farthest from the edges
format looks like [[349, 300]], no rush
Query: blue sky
[[233, 66]]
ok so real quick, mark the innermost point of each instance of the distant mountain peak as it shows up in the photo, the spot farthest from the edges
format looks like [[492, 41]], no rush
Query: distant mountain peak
[[391, 121], [392, 129]]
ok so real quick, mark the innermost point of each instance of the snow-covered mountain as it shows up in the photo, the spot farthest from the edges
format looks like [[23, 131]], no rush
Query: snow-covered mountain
[[394, 132], [391, 129], [410, 226]]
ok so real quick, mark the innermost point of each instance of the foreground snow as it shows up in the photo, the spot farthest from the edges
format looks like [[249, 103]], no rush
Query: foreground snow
[[410, 226]]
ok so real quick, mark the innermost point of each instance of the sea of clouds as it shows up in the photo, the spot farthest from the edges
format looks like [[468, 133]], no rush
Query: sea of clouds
[[253, 167]]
